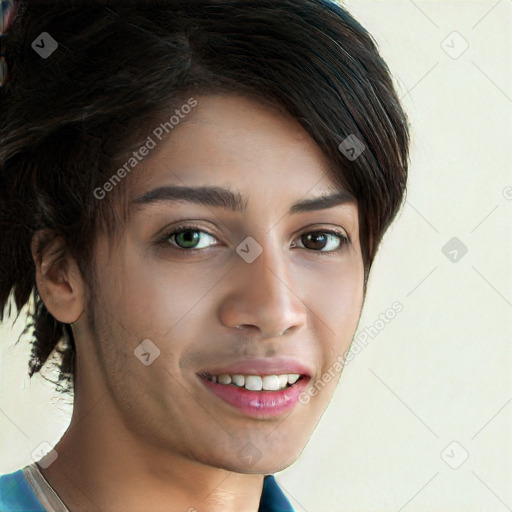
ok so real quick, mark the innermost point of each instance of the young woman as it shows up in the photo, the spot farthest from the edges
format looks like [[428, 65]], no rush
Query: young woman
[[193, 194]]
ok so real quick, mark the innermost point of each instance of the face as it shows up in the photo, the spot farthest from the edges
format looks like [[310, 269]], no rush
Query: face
[[192, 264]]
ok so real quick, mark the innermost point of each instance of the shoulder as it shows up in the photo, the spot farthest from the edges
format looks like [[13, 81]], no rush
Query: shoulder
[[16, 495]]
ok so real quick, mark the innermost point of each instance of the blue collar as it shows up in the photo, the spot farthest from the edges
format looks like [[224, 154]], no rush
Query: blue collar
[[16, 494], [272, 498]]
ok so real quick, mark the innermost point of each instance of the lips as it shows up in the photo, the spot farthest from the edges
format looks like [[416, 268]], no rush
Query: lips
[[274, 366], [261, 388]]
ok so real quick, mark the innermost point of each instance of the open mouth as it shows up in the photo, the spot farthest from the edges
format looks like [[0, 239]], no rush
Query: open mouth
[[257, 396], [254, 382]]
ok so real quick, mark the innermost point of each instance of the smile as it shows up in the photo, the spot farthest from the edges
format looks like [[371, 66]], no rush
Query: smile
[[256, 382], [261, 390]]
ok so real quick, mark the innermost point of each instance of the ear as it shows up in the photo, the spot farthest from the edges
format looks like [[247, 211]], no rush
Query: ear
[[58, 278]]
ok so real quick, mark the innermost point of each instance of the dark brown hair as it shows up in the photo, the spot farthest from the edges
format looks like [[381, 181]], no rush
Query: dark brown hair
[[68, 118]]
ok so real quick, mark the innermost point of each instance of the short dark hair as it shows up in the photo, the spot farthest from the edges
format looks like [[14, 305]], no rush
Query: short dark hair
[[67, 119]]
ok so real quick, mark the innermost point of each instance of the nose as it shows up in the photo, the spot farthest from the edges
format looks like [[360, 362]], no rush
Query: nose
[[265, 298]]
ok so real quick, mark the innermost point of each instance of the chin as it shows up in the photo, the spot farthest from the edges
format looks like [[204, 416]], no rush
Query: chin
[[258, 463], [271, 468]]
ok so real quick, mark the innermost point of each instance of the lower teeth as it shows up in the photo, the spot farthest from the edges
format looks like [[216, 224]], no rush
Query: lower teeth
[[243, 387]]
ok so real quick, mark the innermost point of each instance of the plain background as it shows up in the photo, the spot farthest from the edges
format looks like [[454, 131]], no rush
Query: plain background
[[422, 418]]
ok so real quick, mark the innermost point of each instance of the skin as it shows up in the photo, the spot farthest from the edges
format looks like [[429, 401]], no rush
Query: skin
[[153, 437]]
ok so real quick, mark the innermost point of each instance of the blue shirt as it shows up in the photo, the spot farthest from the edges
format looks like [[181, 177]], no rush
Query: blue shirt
[[16, 495]]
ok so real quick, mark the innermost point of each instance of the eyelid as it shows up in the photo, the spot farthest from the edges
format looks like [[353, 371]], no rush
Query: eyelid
[[166, 232]]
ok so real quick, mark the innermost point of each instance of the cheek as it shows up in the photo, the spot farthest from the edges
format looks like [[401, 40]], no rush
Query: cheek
[[339, 300], [338, 297], [173, 301], [337, 313], [150, 299]]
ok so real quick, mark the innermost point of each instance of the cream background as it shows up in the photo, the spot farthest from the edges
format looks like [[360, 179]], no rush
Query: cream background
[[441, 370]]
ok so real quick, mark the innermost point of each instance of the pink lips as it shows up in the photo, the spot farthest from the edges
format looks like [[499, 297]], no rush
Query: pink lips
[[275, 366], [260, 404]]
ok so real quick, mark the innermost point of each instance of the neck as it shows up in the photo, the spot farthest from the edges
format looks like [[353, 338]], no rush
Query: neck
[[102, 465]]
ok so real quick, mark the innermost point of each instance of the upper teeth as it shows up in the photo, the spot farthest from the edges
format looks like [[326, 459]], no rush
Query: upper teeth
[[257, 382]]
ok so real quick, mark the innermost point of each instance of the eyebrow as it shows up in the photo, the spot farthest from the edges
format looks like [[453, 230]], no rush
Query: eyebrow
[[232, 200]]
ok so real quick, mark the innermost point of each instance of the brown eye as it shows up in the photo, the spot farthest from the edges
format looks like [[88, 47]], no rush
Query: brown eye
[[320, 240]]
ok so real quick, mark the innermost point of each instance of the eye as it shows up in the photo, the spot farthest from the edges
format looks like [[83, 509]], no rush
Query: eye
[[324, 241], [188, 238], [191, 238]]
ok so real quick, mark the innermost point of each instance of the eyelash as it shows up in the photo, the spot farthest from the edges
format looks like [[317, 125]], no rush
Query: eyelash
[[164, 240]]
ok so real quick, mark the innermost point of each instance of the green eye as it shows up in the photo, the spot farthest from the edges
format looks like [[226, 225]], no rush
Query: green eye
[[190, 238]]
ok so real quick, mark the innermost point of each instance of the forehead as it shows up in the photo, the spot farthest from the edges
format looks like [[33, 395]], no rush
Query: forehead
[[231, 141]]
